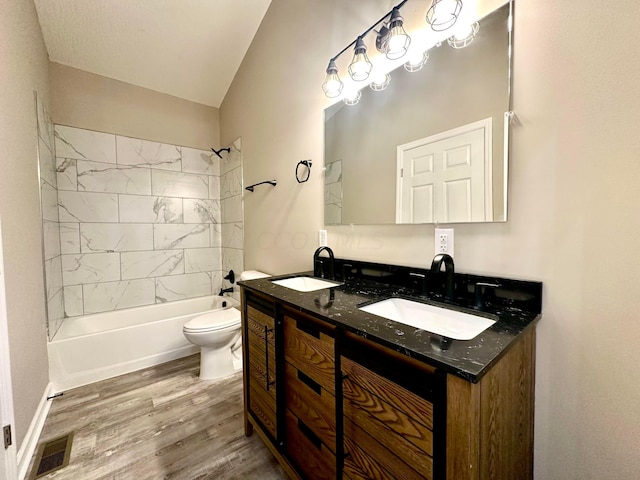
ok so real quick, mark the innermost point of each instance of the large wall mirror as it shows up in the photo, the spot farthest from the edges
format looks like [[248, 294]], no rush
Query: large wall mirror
[[433, 146]]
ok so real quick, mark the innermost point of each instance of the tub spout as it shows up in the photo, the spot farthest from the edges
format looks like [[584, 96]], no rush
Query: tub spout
[[225, 290]]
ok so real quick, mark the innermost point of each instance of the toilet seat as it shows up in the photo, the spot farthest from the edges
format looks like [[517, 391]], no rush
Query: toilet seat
[[213, 321]]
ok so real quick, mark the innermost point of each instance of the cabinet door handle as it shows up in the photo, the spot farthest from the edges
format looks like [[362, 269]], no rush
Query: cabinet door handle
[[267, 330]]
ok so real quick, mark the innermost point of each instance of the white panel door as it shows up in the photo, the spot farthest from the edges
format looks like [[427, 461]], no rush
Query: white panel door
[[445, 178]]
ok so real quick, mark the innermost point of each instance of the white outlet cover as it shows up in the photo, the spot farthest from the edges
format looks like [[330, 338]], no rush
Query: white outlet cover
[[322, 238], [443, 241]]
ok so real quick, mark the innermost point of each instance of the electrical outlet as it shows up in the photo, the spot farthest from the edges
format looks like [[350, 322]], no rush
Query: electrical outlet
[[322, 238], [444, 241]]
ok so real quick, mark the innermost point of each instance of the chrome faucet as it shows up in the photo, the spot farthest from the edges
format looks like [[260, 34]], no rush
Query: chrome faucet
[[318, 269], [436, 265]]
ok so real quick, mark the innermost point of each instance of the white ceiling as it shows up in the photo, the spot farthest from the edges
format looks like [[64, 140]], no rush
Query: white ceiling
[[187, 48]]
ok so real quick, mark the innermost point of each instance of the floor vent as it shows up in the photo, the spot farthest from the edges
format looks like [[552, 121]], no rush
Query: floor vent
[[52, 455]]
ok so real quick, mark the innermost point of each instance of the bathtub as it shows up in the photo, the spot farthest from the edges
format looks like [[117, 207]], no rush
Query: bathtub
[[103, 345]]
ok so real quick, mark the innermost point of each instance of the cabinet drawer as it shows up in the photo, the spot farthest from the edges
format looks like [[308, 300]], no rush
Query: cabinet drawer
[[311, 351], [312, 404], [366, 458], [310, 455], [263, 408]]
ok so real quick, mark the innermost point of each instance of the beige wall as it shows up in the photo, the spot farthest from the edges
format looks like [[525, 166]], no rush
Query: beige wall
[[573, 181], [24, 69], [85, 100]]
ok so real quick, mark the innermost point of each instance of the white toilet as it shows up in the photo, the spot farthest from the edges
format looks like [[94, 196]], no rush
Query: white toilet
[[218, 335]]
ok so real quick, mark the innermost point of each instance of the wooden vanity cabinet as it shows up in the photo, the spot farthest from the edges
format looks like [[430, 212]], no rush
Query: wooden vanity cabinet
[[260, 366], [330, 404]]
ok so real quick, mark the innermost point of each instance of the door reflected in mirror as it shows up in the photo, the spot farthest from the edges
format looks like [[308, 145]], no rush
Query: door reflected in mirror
[[432, 147]]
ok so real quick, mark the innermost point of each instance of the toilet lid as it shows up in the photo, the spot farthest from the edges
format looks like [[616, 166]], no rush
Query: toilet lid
[[214, 320]]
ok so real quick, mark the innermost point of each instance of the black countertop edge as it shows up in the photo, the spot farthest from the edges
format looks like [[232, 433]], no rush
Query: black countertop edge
[[469, 360]]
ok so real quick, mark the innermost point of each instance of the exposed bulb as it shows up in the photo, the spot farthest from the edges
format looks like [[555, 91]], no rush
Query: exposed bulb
[[443, 14], [332, 85], [360, 66], [416, 61], [398, 41], [380, 82], [464, 35], [352, 97]]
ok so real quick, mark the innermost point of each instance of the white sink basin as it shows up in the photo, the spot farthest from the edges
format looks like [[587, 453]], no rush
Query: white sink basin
[[306, 284], [442, 321]]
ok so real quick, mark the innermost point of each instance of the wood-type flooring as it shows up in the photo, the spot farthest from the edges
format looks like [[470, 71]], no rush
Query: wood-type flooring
[[162, 422]]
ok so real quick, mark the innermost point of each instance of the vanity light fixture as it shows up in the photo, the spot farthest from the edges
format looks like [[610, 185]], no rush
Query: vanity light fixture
[[392, 40], [416, 61], [464, 36], [443, 14], [360, 66], [380, 82], [396, 42], [332, 85]]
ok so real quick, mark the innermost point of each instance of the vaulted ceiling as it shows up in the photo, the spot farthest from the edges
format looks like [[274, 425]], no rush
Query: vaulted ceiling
[[187, 48]]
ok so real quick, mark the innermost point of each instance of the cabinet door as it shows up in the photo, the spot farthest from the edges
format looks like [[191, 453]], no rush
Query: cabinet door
[[262, 384], [388, 429], [393, 412]]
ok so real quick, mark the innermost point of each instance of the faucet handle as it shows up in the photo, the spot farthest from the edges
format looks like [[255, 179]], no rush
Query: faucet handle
[[231, 276], [478, 295], [347, 269]]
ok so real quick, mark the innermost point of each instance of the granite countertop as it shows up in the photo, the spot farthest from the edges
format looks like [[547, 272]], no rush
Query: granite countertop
[[339, 306]]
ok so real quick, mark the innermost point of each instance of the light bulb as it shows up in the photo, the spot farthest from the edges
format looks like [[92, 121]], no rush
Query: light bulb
[[443, 14], [332, 85], [416, 61], [398, 41], [360, 66], [380, 82], [464, 35], [352, 97]]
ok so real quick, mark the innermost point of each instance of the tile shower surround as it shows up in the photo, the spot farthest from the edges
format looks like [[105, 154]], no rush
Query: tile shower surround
[[140, 222], [50, 222]]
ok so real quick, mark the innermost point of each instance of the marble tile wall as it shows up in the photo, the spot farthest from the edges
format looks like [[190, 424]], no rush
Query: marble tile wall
[[333, 193], [50, 221], [231, 192], [142, 222]]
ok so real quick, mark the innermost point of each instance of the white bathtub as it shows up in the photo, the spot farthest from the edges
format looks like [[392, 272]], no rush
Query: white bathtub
[[95, 347]]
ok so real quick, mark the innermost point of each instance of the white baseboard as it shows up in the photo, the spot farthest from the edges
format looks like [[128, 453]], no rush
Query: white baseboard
[[30, 442]]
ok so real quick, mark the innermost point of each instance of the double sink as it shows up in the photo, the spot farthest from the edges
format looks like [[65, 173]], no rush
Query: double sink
[[441, 321]]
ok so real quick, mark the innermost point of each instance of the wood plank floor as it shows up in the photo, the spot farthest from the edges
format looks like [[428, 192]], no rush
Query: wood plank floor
[[158, 423]]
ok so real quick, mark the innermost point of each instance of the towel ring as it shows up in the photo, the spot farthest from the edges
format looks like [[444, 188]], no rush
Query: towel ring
[[306, 163]]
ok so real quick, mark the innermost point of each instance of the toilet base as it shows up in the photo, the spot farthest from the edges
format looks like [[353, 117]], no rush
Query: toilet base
[[217, 363]]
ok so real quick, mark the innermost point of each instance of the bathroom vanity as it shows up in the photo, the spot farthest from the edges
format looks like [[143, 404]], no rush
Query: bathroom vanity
[[337, 392]]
